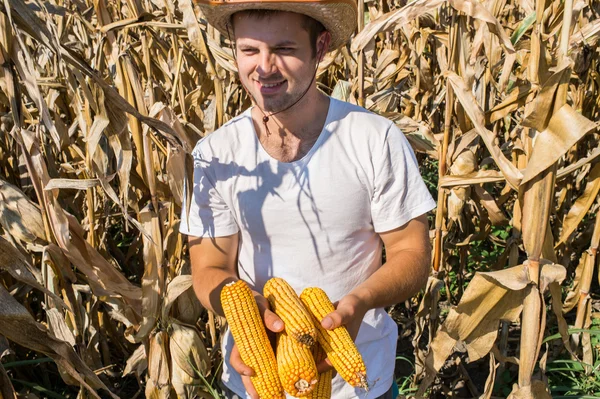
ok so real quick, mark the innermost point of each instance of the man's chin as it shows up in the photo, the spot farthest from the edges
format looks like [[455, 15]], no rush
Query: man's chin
[[272, 105], [272, 108]]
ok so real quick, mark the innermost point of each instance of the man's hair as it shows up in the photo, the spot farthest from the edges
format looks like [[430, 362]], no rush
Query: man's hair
[[311, 25]]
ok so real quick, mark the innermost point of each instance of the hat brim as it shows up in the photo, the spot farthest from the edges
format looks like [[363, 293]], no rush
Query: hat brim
[[339, 17]]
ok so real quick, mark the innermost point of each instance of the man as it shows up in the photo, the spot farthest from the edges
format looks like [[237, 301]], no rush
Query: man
[[307, 188]]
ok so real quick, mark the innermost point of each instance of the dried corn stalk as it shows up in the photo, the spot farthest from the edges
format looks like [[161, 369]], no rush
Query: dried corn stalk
[[101, 103]]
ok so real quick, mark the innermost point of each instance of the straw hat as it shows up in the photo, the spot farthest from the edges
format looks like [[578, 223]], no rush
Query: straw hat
[[339, 17]]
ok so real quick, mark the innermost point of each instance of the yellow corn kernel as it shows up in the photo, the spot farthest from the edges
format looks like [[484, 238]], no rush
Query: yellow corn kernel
[[323, 388], [340, 348], [296, 366], [286, 304], [251, 338]]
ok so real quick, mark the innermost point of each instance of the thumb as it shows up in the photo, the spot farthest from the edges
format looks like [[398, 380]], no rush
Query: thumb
[[270, 318], [335, 319]]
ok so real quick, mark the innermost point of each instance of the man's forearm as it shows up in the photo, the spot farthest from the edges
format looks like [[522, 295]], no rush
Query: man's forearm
[[213, 265], [401, 277], [207, 285]]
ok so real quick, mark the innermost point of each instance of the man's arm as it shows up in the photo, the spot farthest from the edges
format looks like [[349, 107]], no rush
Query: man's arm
[[213, 265], [405, 272]]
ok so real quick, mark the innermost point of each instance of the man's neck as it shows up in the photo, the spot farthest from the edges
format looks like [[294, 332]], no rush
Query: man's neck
[[289, 135], [302, 120]]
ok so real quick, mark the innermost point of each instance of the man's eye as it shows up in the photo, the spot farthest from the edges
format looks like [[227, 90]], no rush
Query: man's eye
[[285, 49], [248, 51]]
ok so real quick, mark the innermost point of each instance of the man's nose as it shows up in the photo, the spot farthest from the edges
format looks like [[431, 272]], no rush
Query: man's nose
[[267, 62]]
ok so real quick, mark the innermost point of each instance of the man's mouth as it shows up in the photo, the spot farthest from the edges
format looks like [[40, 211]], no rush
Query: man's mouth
[[271, 88], [268, 85]]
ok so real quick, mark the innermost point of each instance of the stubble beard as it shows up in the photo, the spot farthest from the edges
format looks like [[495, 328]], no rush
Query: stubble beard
[[282, 101]]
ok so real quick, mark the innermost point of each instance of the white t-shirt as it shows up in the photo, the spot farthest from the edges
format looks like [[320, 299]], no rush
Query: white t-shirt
[[313, 222]]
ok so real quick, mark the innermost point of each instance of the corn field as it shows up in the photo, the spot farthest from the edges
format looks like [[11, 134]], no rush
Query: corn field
[[102, 101]]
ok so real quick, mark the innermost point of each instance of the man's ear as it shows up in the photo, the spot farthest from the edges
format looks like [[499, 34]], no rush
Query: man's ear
[[323, 45]]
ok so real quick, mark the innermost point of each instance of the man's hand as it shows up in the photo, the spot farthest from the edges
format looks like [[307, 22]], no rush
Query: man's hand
[[349, 312], [403, 274], [273, 324]]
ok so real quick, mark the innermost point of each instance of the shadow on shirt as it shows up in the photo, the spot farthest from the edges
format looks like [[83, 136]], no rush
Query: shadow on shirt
[[251, 219]]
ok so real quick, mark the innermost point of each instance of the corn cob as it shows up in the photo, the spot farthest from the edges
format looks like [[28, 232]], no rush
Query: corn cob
[[296, 366], [251, 338], [323, 388], [340, 348], [286, 304]]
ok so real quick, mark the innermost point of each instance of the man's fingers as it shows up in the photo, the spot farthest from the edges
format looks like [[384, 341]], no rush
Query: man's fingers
[[324, 365], [271, 320], [238, 364], [250, 387], [245, 371]]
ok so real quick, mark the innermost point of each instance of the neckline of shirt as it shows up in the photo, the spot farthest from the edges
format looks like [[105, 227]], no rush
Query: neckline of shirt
[[315, 146]]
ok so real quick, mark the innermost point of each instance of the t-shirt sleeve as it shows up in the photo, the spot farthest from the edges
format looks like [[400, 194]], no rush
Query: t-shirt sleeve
[[209, 215], [399, 193]]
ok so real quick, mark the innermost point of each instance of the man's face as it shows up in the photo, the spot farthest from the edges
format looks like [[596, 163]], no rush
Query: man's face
[[274, 57]]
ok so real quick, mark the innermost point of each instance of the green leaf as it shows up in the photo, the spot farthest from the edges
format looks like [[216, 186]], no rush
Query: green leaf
[[522, 28]]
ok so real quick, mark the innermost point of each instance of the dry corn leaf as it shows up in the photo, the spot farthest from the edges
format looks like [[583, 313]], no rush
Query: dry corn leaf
[[391, 21], [151, 281], [493, 210], [189, 309], [6, 389], [175, 288], [188, 350], [582, 205], [195, 32], [75, 61], [137, 362], [563, 172], [158, 364], [184, 386], [557, 308], [512, 175], [536, 208], [543, 105], [154, 392], [537, 390], [588, 33], [565, 128], [58, 327], [428, 308], [479, 177], [103, 277], [477, 10], [503, 294], [73, 184], [24, 65], [586, 340], [517, 98], [18, 326], [491, 380], [573, 295], [19, 216], [21, 270]]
